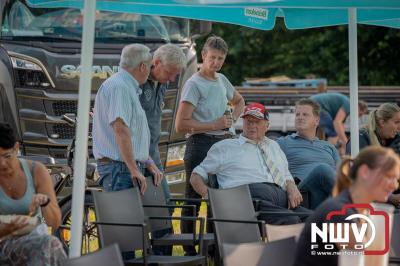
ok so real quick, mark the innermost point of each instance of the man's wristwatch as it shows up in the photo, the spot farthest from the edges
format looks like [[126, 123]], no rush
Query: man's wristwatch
[[148, 162]]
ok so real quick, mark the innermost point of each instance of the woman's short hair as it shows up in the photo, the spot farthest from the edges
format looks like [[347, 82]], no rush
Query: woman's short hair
[[216, 43], [384, 112], [134, 54], [7, 136], [171, 55]]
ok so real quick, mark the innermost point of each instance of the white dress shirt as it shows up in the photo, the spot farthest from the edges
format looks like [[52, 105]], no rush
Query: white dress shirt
[[239, 162]]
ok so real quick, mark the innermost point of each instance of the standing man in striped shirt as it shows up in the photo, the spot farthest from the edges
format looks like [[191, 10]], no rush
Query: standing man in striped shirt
[[121, 136]]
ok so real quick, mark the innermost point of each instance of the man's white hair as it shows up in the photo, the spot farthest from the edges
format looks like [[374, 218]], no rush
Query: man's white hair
[[134, 54], [171, 55]]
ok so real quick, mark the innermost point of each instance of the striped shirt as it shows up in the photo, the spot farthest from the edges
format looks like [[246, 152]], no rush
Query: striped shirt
[[118, 97]]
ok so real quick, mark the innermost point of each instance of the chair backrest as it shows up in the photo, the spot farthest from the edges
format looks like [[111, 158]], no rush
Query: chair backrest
[[277, 253], [233, 204], [106, 256], [123, 207], [155, 196], [395, 236], [277, 232]]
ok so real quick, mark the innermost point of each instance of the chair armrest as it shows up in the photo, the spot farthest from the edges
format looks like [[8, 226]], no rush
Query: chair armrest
[[121, 224], [261, 224], [288, 213], [187, 218], [193, 207], [189, 200]]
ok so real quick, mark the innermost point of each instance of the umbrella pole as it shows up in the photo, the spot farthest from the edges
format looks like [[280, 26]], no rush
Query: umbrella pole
[[80, 155], [353, 69]]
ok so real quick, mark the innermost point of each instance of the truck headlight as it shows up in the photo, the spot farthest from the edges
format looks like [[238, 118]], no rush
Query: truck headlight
[[176, 177], [175, 155], [19, 63], [30, 72]]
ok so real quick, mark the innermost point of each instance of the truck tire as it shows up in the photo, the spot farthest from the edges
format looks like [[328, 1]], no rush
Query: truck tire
[[89, 235]]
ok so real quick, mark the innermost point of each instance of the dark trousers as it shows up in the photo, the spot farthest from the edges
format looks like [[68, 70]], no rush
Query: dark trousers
[[273, 198], [197, 147]]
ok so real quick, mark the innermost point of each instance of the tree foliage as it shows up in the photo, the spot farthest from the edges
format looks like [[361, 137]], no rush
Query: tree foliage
[[320, 53]]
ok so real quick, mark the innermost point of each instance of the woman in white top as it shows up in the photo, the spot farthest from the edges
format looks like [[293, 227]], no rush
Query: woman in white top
[[201, 112]]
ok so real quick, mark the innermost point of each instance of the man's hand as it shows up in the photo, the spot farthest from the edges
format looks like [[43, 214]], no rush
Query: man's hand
[[294, 195], [140, 178], [157, 174]]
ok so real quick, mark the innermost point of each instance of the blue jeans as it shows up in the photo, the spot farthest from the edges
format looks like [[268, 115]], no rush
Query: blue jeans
[[115, 176], [319, 184], [326, 122]]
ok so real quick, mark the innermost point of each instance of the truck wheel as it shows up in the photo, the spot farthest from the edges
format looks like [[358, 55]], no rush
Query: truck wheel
[[89, 231]]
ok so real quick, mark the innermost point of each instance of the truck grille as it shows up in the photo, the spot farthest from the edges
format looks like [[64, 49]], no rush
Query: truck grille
[[64, 107], [66, 132], [67, 107]]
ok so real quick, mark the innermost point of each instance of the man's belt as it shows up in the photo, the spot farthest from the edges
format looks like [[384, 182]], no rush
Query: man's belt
[[108, 160]]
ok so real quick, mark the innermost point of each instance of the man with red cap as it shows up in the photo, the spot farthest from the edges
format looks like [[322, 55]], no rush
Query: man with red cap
[[256, 161]]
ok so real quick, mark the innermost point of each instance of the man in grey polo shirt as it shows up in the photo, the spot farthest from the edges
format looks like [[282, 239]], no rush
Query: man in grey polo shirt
[[121, 136], [311, 160], [256, 161]]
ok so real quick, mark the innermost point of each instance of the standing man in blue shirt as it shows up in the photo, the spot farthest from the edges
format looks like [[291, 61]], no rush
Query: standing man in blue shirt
[[311, 160], [168, 62], [121, 136]]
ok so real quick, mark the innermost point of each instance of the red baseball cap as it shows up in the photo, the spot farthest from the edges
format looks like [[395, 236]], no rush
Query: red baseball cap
[[256, 110]]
